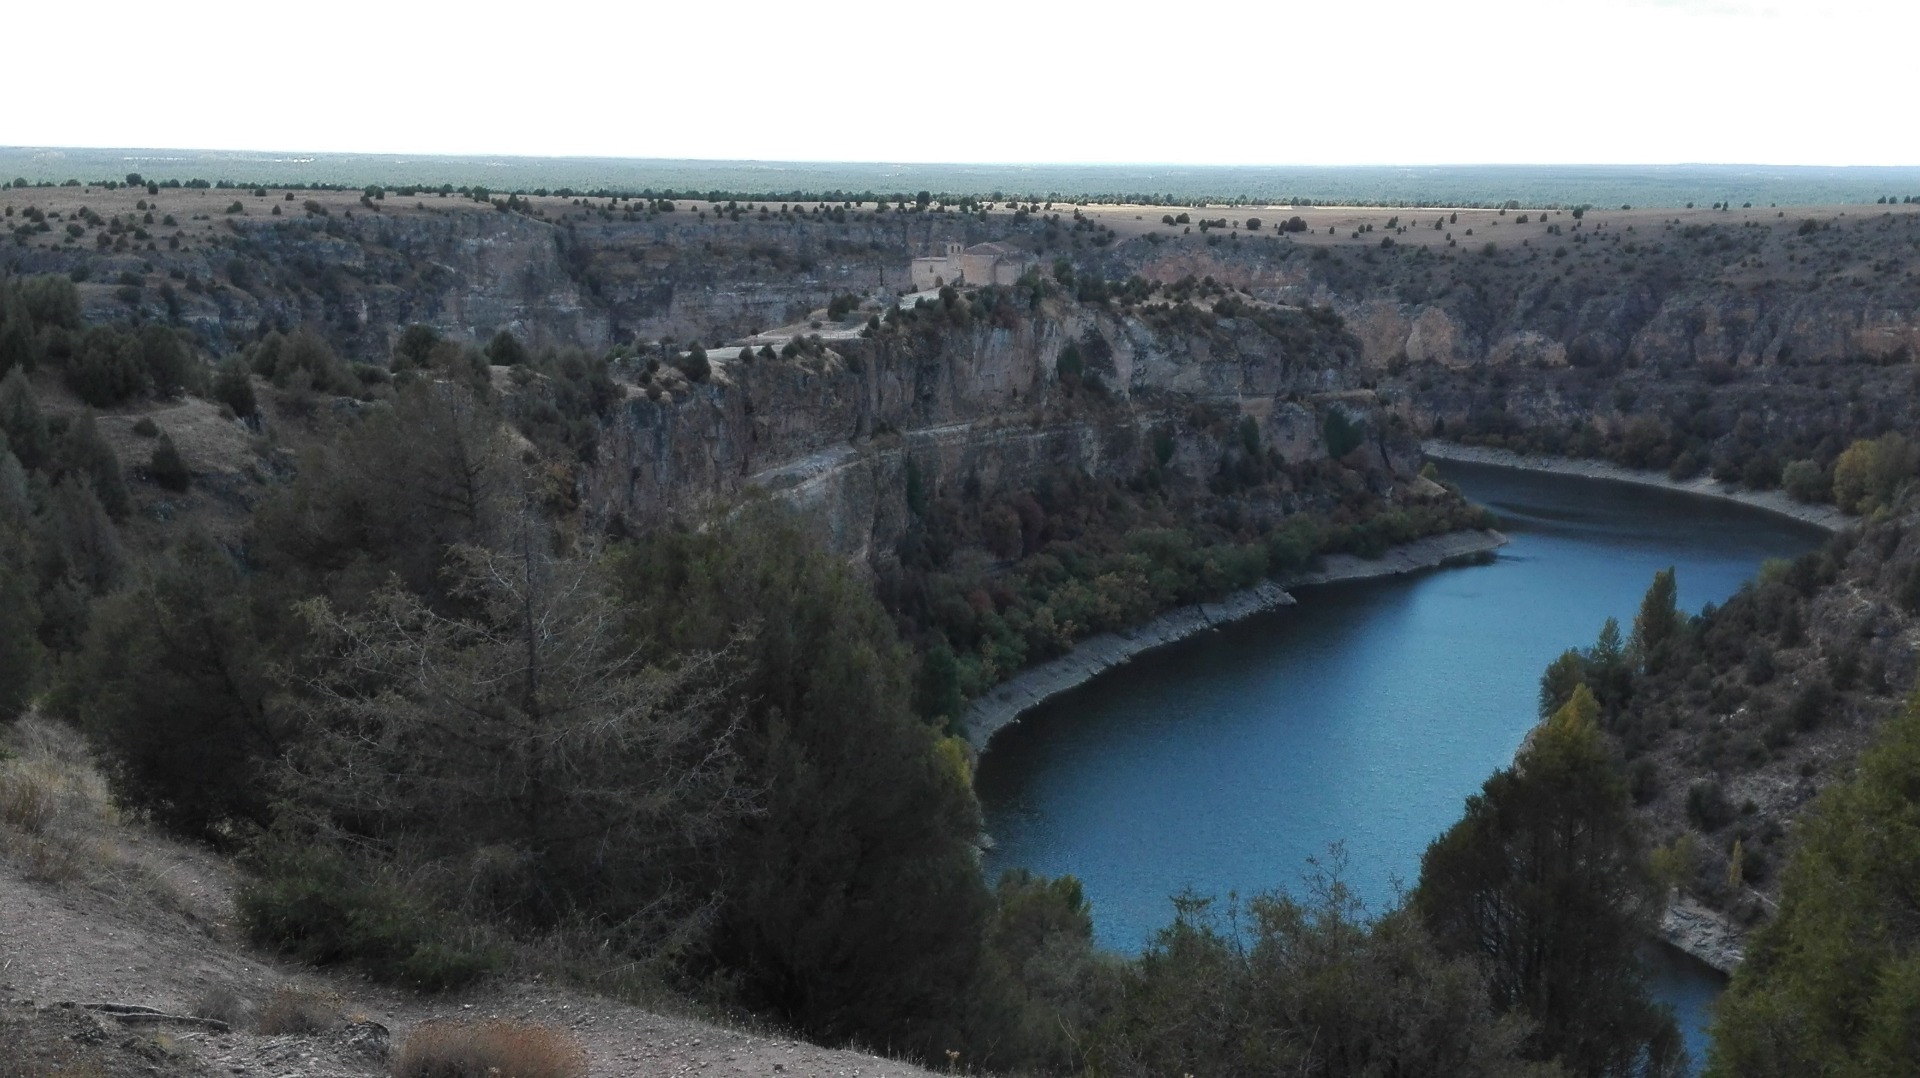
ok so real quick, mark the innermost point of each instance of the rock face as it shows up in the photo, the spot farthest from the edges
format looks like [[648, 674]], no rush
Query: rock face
[[1704, 934], [964, 399]]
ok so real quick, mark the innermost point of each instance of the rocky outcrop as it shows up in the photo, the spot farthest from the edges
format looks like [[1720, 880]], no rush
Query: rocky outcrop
[[1703, 933], [967, 399]]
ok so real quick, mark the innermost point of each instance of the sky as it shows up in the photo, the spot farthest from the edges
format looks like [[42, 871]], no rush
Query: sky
[[1816, 82]]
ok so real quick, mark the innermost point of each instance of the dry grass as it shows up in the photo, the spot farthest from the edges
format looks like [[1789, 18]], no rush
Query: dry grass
[[299, 1011], [496, 1049], [223, 1003], [54, 807]]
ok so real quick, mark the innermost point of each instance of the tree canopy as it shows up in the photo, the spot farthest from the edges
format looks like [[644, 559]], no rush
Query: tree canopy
[[1545, 881]]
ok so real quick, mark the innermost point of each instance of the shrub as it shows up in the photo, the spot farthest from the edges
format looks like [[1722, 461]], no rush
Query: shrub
[[311, 904], [223, 1003], [236, 207], [299, 1012], [695, 365], [167, 467], [107, 369], [1707, 805], [233, 387], [1805, 481], [51, 797], [495, 1049]]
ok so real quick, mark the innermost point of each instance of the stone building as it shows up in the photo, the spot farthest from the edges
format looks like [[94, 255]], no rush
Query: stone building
[[982, 263]]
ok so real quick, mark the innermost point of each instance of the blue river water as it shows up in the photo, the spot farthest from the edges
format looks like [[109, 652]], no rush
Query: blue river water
[[1363, 716]]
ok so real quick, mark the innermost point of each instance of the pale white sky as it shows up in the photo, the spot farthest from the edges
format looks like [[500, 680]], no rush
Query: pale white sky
[[1236, 82]]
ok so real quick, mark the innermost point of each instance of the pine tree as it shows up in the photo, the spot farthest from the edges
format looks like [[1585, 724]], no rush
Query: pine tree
[[87, 453], [1545, 880], [1656, 628], [21, 421]]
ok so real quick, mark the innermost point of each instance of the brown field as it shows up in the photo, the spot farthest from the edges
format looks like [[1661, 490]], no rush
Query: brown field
[[199, 215]]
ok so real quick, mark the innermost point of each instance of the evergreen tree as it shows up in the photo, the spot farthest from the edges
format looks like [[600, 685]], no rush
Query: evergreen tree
[[1545, 881], [1831, 985], [505, 350], [21, 421], [855, 906], [87, 453], [167, 467], [19, 611], [172, 685], [1657, 627]]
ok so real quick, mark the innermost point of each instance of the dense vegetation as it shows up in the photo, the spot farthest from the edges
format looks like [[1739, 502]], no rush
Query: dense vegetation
[[1832, 984]]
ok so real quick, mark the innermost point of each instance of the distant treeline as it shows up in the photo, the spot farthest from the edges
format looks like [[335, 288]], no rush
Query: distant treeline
[[1467, 186]]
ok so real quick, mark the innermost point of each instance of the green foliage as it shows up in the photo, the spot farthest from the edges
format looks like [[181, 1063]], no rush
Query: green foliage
[[51, 301], [1832, 984], [550, 772], [1545, 881], [561, 400], [233, 387], [432, 469], [1806, 481], [1070, 364], [1341, 434], [1043, 983], [916, 489], [86, 452], [167, 467], [1163, 447], [695, 364], [20, 650], [1563, 676], [414, 349], [313, 903], [1869, 473], [1304, 988], [168, 365], [505, 350], [107, 369], [170, 684], [856, 904], [936, 695], [1658, 625], [21, 421]]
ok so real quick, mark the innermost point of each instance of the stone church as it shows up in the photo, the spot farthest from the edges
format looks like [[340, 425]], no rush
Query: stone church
[[982, 263]]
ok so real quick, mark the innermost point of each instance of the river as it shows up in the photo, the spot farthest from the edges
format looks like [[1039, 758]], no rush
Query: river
[[1361, 717]]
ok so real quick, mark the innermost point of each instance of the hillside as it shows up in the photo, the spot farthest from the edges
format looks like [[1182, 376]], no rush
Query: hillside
[[101, 911]]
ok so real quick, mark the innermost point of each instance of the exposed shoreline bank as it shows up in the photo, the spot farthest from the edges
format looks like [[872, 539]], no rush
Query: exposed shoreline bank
[[1003, 705], [1771, 501]]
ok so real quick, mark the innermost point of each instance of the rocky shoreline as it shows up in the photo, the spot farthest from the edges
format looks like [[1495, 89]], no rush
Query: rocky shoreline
[[1706, 934], [1006, 702], [1771, 501]]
